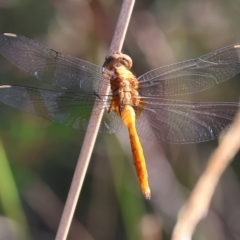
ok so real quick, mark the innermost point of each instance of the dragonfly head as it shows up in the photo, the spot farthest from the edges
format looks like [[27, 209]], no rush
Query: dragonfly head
[[117, 59]]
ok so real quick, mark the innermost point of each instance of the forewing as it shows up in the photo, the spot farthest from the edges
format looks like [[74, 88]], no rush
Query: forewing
[[192, 75], [183, 122], [67, 108], [51, 66]]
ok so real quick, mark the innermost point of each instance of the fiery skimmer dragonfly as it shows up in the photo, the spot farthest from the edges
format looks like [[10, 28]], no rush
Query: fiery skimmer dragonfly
[[158, 118]]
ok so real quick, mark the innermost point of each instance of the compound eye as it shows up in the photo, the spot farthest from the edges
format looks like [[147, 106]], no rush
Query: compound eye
[[126, 61], [117, 59], [112, 57], [110, 60]]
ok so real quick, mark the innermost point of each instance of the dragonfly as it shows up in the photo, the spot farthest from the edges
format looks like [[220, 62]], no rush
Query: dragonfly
[[145, 104]]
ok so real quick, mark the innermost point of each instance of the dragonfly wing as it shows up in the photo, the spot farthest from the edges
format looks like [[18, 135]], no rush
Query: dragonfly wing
[[175, 121], [50, 66], [192, 75], [68, 108]]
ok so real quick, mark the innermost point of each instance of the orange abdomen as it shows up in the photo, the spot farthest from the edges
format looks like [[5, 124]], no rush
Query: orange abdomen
[[128, 117]]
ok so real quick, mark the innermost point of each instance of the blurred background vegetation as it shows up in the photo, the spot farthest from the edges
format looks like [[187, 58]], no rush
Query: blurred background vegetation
[[37, 157]]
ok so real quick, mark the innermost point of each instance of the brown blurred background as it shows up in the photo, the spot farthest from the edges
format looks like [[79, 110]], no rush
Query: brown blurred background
[[37, 157]]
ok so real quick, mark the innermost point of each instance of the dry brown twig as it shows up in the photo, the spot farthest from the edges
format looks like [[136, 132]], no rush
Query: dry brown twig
[[197, 206], [90, 137]]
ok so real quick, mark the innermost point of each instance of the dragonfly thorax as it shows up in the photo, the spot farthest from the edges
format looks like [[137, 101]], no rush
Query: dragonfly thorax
[[124, 87]]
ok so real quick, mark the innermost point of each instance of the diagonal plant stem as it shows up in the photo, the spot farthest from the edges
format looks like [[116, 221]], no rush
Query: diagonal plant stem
[[198, 203], [90, 137]]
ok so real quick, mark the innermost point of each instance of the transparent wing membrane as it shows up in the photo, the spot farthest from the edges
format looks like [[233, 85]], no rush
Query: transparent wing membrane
[[50, 66], [175, 121], [68, 108], [158, 118], [193, 75]]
